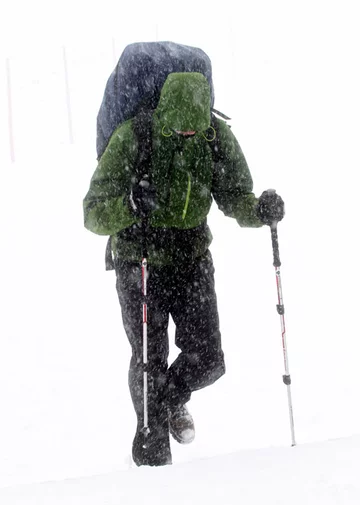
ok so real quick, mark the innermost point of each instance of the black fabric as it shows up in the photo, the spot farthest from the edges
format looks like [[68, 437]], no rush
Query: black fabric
[[187, 293], [142, 126], [153, 448], [183, 244], [143, 191]]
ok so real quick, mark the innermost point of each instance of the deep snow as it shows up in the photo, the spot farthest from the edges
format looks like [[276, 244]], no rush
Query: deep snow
[[316, 474]]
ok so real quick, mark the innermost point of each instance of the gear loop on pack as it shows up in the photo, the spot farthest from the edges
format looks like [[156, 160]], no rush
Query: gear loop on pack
[[213, 138]]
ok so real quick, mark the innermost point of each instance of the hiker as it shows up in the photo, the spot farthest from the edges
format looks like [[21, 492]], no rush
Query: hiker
[[151, 193]]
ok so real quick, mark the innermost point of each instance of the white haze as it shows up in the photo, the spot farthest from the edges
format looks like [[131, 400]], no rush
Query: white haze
[[288, 75]]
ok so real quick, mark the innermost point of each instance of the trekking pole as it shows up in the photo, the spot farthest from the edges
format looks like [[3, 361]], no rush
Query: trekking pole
[[145, 429], [281, 312]]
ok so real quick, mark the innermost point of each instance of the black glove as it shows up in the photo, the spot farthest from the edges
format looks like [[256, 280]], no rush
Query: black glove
[[142, 198], [270, 207]]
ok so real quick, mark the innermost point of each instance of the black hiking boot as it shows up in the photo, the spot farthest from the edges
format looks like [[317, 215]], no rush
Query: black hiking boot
[[181, 425], [152, 449]]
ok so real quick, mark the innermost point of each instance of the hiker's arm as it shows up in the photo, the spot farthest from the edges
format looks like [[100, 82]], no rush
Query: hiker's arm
[[232, 182], [105, 208]]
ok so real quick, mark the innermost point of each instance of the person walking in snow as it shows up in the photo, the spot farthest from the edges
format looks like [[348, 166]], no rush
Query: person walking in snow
[[152, 189]]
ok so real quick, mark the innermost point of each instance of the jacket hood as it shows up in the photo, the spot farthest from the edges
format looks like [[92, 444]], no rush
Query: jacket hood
[[184, 103]]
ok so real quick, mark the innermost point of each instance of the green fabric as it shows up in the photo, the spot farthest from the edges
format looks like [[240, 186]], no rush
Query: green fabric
[[184, 103], [105, 212], [186, 180], [232, 183], [175, 160]]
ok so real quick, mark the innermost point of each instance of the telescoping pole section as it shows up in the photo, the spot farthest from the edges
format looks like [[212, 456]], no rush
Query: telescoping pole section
[[281, 312], [145, 346]]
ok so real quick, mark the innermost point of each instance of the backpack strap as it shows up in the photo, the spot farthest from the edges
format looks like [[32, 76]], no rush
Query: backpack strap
[[143, 130], [221, 114], [142, 126]]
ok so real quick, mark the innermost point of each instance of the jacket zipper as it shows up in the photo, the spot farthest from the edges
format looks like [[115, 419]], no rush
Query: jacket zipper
[[187, 197]]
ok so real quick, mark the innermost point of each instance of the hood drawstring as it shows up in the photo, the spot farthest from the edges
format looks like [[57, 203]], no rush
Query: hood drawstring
[[214, 136], [166, 134]]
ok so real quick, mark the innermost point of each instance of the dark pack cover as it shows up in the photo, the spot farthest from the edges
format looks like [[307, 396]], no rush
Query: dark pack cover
[[137, 80]]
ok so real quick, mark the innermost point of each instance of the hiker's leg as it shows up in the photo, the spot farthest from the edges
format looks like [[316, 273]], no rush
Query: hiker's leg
[[194, 311], [129, 288]]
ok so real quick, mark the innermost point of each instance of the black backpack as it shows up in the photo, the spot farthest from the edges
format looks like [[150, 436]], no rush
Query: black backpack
[[136, 82]]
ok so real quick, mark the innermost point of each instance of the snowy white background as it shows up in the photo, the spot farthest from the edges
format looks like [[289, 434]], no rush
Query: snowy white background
[[287, 73]]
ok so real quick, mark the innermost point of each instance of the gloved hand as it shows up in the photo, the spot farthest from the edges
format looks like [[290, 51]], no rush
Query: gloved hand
[[142, 198], [270, 207]]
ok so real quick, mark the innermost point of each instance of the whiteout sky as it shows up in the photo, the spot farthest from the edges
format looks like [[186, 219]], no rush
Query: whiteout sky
[[288, 75]]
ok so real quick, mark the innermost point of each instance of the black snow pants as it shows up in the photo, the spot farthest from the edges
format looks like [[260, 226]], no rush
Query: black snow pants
[[187, 293]]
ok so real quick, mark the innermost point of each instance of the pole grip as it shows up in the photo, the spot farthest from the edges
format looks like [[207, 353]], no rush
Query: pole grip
[[275, 244]]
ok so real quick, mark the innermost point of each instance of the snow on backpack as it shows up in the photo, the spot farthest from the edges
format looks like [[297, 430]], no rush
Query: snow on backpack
[[136, 82]]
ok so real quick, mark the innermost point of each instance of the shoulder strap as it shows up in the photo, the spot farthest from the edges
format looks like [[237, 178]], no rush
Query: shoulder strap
[[221, 114], [142, 126]]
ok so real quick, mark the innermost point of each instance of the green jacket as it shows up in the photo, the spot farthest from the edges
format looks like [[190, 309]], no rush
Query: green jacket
[[186, 175]]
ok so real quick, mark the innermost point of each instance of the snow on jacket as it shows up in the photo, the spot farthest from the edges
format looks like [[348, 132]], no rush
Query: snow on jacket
[[186, 175]]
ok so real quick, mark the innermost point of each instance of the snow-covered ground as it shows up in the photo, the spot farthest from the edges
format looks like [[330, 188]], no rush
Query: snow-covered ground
[[315, 474], [287, 75]]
